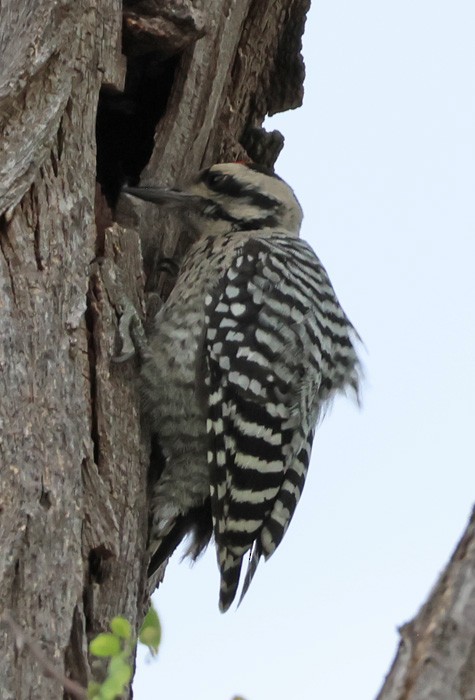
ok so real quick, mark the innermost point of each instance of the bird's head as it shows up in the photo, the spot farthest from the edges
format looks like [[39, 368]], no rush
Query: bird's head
[[231, 197]]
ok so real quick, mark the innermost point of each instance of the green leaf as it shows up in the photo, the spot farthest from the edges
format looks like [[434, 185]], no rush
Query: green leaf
[[120, 670], [151, 619], [121, 627], [151, 638], [93, 689], [110, 689], [105, 644], [151, 632]]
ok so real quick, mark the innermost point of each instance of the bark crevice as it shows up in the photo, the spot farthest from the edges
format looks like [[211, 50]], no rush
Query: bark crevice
[[75, 458], [91, 317]]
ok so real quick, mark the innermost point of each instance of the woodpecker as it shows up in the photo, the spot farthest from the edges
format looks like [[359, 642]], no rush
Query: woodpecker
[[243, 359]]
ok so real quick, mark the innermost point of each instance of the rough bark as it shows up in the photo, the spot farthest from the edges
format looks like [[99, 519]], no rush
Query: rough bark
[[195, 83], [74, 459], [436, 655]]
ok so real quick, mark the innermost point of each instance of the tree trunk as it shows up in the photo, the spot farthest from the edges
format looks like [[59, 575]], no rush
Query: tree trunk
[[194, 83], [436, 655]]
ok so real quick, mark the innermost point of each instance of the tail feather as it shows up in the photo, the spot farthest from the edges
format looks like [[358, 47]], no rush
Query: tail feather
[[254, 559], [196, 523], [230, 566]]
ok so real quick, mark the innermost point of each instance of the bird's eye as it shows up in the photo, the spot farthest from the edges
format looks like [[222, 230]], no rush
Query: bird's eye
[[214, 180]]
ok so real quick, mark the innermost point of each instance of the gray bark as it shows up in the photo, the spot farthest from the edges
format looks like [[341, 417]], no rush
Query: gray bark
[[436, 655], [73, 456]]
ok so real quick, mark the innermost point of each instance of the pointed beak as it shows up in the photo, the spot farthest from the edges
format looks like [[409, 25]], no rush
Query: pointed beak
[[164, 197]]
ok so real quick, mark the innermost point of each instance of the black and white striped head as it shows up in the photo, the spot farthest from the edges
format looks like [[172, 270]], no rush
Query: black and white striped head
[[231, 197]]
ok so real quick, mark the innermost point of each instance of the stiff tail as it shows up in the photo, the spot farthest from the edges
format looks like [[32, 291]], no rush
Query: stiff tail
[[196, 523], [254, 559], [230, 567]]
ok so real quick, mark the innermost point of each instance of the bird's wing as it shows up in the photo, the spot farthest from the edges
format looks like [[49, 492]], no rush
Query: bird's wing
[[269, 330]]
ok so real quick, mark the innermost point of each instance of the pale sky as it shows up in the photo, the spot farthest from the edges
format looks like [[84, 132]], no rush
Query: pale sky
[[382, 158]]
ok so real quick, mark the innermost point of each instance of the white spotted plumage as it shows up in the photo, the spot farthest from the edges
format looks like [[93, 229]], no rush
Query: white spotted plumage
[[247, 352]]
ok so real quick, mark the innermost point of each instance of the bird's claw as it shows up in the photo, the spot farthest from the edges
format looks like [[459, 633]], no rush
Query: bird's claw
[[131, 332]]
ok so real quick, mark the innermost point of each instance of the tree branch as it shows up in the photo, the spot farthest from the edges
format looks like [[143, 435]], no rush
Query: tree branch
[[436, 654]]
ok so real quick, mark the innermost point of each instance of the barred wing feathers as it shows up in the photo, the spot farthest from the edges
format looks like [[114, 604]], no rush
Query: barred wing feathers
[[276, 346]]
